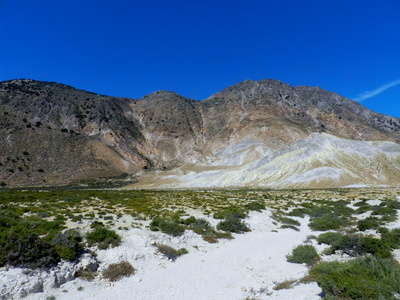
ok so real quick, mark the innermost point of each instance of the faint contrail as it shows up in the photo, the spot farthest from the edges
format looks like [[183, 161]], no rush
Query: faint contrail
[[377, 91]]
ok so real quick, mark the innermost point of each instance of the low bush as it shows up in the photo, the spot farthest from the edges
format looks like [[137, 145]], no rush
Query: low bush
[[284, 285], [85, 274], [303, 254], [255, 206], [390, 237], [289, 221], [363, 278], [298, 212], [284, 226], [329, 238], [233, 223], [368, 223], [200, 226], [170, 252], [375, 247], [67, 244], [210, 239], [327, 222], [103, 238], [357, 245], [189, 220], [171, 227], [389, 214], [230, 211], [116, 271], [27, 250]]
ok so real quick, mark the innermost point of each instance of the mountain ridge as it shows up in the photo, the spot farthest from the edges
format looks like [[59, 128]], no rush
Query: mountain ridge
[[73, 135]]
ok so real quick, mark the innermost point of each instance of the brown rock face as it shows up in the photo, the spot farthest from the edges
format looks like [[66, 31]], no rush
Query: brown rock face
[[53, 134]]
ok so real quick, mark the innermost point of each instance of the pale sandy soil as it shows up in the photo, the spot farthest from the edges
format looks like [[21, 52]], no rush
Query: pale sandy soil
[[248, 266]]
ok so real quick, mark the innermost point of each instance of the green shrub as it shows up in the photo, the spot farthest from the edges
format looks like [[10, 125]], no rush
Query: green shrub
[[171, 227], [27, 250], [103, 238], [327, 222], [388, 214], [200, 226], [233, 223], [284, 226], [298, 212], [375, 247], [363, 278], [390, 237], [67, 244], [368, 223], [189, 220], [303, 254], [329, 238], [255, 206], [116, 271], [230, 211], [289, 221]]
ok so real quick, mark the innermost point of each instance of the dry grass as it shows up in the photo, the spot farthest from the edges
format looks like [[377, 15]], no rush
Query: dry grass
[[284, 285], [116, 271]]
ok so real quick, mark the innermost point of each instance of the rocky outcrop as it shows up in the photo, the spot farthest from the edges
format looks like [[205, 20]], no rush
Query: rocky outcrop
[[52, 134], [18, 283]]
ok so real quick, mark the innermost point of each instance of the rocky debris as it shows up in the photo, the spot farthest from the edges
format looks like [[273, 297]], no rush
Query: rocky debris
[[18, 283]]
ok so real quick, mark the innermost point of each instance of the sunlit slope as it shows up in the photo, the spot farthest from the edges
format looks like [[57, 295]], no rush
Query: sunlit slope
[[320, 160]]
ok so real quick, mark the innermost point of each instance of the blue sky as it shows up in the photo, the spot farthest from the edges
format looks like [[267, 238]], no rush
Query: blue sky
[[197, 48]]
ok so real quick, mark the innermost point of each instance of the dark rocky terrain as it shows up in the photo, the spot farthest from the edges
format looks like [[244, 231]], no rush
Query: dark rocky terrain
[[53, 134]]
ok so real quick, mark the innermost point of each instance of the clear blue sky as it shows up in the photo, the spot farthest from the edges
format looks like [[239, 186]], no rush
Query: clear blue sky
[[197, 48]]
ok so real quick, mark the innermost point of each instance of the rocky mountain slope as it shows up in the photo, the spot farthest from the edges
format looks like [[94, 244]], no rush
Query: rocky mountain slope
[[263, 133]]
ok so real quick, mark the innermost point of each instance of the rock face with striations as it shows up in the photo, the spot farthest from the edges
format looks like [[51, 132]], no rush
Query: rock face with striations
[[255, 133]]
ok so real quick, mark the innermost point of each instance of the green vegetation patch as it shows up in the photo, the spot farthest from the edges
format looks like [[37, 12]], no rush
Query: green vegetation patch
[[171, 227], [363, 278], [103, 237], [233, 223], [303, 254]]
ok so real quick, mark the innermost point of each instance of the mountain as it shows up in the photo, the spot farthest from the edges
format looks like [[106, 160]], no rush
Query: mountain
[[254, 133]]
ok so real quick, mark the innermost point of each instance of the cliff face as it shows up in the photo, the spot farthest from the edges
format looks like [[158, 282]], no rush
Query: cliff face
[[54, 134]]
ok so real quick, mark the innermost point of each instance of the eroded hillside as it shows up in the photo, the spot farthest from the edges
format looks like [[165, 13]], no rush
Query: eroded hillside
[[52, 134]]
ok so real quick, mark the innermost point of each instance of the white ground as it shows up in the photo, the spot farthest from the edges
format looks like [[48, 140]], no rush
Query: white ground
[[248, 266]]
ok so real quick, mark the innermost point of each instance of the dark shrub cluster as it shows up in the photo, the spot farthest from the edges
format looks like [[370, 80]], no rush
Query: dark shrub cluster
[[172, 227], [255, 206], [357, 245], [367, 277], [103, 237], [327, 222], [67, 244], [28, 250], [28, 241], [368, 223], [233, 223]]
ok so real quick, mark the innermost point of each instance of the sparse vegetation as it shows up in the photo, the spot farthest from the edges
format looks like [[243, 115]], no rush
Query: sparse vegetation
[[303, 254], [116, 271], [284, 285], [39, 218], [170, 252]]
